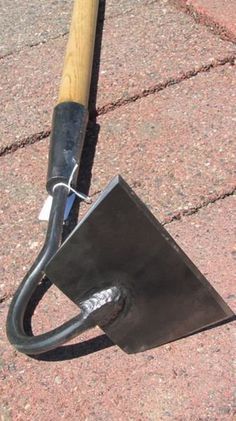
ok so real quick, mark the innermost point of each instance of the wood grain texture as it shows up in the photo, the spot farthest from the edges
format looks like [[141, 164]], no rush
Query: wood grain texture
[[76, 78]]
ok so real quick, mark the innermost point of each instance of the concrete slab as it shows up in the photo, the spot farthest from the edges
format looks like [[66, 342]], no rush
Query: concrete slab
[[176, 149], [33, 22], [133, 62], [218, 15], [192, 379]]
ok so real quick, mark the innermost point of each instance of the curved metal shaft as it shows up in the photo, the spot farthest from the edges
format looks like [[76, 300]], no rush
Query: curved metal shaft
[[15, 321]]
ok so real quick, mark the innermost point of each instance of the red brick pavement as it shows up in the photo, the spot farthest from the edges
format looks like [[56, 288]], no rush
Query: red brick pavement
[[176, 146]]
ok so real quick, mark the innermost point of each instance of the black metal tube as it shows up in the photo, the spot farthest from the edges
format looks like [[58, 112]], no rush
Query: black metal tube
[[67, 139]]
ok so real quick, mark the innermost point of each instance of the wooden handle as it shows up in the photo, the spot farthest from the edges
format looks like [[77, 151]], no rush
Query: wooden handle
[[76, 77]]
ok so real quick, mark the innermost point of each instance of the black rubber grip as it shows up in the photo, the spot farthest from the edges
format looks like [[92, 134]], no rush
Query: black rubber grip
[[67, 139]]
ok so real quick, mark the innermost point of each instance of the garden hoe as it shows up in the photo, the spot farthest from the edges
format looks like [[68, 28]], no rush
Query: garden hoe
[[119, 265]]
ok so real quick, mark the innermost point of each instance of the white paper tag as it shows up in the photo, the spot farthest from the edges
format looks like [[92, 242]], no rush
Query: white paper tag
[[46, 209]]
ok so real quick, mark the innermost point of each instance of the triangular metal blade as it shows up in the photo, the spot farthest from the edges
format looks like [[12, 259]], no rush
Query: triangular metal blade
[[120, 243]]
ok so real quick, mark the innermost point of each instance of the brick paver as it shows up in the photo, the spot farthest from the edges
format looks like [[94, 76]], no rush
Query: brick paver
[[33, 22], [133, 61], [192, 378], [175, 148], [175, 145], [218, 15]]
